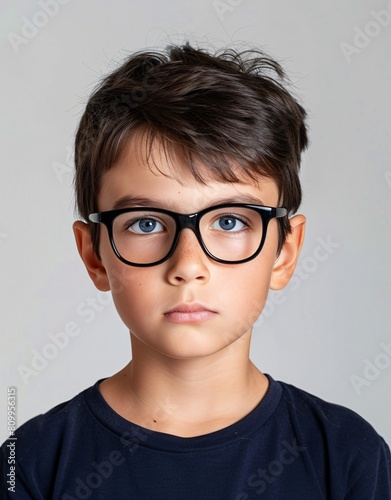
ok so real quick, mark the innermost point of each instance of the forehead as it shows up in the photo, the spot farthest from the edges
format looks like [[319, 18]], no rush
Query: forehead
[[150, 177]]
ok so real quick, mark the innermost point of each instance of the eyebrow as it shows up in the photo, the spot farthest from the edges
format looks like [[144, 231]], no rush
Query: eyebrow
[[137, 201], [130, 201]]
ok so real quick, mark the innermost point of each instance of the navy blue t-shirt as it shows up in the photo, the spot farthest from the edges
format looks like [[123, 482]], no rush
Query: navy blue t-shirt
[[292, 446]]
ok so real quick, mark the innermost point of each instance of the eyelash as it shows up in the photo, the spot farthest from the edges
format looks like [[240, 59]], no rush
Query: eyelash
[[241, 219], [130, 223]]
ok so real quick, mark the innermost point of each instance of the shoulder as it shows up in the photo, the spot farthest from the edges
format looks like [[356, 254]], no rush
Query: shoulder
[[337, 439], [44, 445], [336, 419], [44, 431]]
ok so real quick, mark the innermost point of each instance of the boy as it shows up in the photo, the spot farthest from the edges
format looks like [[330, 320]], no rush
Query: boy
[[186, 171]]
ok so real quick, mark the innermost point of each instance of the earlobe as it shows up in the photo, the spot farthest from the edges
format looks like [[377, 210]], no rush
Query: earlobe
[[93, 264], [285, 263]]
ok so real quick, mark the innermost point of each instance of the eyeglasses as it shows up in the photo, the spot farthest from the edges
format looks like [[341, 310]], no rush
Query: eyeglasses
[[230, 234]]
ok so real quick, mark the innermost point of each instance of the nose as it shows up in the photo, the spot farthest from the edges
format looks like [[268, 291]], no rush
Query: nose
[[188, 263]]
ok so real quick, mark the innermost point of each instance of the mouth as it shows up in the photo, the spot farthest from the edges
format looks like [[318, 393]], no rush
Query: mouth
[[189, 313]]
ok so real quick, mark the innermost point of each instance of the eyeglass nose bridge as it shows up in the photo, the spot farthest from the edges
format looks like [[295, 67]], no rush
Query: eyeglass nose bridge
[[187, 221]]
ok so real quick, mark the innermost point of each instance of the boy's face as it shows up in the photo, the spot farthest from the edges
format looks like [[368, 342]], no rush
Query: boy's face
[[234, 295]]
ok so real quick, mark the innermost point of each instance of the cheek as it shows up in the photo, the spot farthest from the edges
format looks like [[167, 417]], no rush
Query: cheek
[[135, 291], [246, 294], [128, 290], [124, 288], [124, 280]]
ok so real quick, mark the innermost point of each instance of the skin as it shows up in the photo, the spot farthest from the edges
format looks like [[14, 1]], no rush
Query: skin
[[186, 379]]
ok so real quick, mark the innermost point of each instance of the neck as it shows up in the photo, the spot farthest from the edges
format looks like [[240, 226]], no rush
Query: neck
[[186, 396]]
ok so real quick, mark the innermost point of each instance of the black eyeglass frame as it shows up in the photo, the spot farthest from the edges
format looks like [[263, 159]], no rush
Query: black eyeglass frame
[[191, 221]]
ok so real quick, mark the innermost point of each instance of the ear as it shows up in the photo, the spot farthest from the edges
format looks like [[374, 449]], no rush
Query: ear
[[93, 264], [285, 263]]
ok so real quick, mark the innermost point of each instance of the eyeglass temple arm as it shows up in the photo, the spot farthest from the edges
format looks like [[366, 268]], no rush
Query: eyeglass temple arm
[[95, 217], [281, 212]]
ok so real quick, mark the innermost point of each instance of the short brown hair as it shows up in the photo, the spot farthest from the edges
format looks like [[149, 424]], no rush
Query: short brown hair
[[224, 110]]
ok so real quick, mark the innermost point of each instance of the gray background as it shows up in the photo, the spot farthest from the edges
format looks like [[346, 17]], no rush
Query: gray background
[[320, 333]]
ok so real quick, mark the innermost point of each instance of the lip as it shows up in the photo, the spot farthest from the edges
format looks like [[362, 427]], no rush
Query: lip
[[189, 313]]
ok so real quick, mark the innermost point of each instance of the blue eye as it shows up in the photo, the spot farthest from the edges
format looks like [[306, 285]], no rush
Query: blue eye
[[146, 226], [228, 223]]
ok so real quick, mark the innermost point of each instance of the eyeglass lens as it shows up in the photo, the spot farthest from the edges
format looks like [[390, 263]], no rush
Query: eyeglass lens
[[230, 234]]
